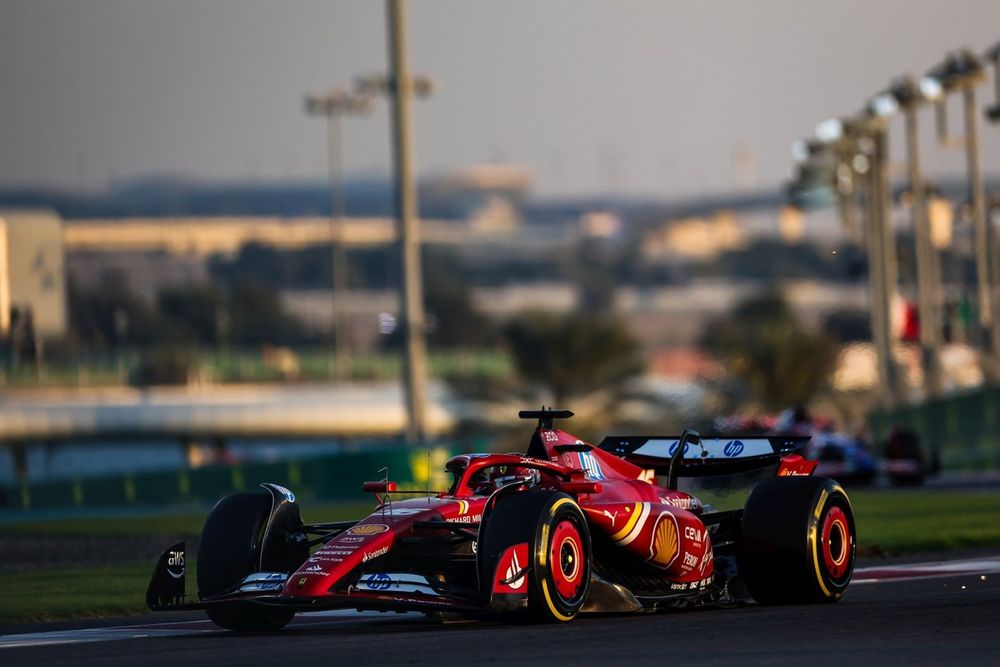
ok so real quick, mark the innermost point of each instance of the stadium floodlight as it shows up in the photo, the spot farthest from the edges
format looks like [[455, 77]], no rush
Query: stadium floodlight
[[883, 105], [377, 84], [930, 88], [830, 130], [959, 68], [800, 150]]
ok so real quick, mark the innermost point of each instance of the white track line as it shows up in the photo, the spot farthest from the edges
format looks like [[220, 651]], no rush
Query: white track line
[[946, 568], [168, 629]]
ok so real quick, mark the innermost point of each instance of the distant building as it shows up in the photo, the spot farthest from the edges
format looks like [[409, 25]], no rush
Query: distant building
[[32, 277], [696, 238]]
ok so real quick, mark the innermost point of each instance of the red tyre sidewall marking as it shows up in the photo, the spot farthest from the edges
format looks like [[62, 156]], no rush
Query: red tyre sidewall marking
[[566, 536], [835, 521]]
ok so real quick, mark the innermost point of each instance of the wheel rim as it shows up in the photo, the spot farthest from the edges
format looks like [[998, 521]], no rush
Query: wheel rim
[[836, 547], [566, 556]]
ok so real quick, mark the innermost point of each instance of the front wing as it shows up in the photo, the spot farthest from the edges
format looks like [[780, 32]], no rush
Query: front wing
[[381, 592]]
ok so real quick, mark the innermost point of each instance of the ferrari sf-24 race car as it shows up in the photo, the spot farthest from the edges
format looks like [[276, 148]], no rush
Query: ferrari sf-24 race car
[[564, 529]]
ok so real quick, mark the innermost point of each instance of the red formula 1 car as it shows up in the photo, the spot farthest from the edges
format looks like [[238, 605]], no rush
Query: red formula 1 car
[[566, 528]]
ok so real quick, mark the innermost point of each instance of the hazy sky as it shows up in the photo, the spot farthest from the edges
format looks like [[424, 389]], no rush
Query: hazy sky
[[630, 96]]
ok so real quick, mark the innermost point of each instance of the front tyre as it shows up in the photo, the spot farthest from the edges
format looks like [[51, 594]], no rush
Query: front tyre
[[249, 619], [559, 550], [229, 550], [798, 541]]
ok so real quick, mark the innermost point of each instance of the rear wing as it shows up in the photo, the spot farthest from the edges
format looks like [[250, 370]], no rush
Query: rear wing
[[703, 456]]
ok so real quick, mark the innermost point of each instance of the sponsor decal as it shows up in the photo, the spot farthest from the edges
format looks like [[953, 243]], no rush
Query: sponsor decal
[[706, 558], [380, 581], [349, 538], [175, 564], [691, 585], [397, 582], [682, 503], [368, 529], [611, 516], [261, 586], [663, 551], [512, 569], [325, 558], [374, 554], [691, 533], [316, 569], [402, 511], [550, 436], [638, 512], [302, 581], [591, 465], [470, 518], [733, 448], [673, 447], [690, 560], [263, 581], [463, 506]]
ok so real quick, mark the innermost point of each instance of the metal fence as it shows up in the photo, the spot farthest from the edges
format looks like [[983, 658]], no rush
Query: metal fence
[[337, 477], [962, 432]]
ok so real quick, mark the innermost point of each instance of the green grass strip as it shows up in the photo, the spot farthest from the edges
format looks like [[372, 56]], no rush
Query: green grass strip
[[898, 522], [51, 595]]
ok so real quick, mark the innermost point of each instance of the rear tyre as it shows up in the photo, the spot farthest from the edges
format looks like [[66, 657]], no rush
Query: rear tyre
[[559, 549], [229, 551], [798, 541]]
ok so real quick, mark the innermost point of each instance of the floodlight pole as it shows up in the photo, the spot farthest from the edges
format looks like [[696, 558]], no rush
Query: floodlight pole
[[333, 105], [847, 187], [411, 290], [341, 320], [984, 238], [882, 262], [928, 280], [962, 70]]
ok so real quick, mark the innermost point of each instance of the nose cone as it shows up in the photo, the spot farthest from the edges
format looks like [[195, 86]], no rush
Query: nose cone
[[338, 557]]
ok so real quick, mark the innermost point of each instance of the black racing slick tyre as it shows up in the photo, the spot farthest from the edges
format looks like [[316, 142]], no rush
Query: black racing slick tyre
[[559, 550], [229, 551], [798, 541]]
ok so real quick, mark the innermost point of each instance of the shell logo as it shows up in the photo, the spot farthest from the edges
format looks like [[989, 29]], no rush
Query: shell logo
[[665, 540]]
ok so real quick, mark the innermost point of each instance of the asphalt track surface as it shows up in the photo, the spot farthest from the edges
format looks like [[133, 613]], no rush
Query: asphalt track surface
[[952, 618]]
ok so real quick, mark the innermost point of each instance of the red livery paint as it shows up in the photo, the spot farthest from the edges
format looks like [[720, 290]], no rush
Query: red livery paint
[[564, 528]]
